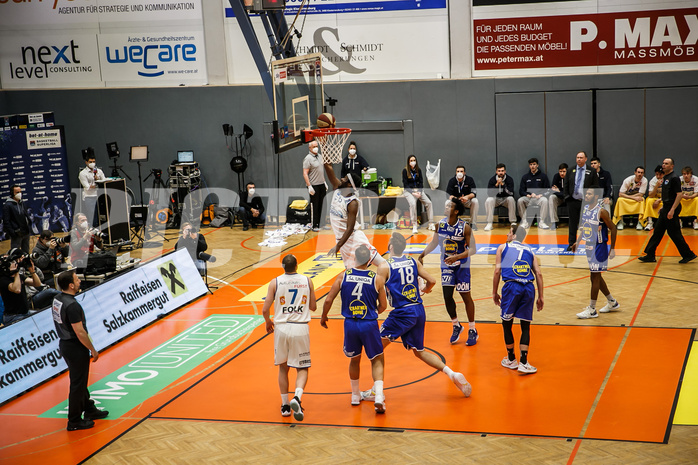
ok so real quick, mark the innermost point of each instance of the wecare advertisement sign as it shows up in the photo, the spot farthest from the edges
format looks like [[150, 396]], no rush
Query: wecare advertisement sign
[[581, 36], [359, 40], [98, 43], [29, 351]]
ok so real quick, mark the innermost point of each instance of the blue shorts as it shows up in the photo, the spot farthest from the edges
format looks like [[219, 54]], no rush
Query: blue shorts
[[517, 301], [598, 258], [406, 323], [360, 334], [458, 276]]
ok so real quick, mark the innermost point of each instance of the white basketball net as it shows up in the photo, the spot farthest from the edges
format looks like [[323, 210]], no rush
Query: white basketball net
[[331, 143]]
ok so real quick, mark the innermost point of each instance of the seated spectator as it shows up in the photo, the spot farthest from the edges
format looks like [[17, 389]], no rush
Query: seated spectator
[[605, 183], [557, 197], [413, 182], [252, 208], [48, 256], [195, 243], [533, 191], [83, 241], [40, 297], [462, 187], [689, 203], [353, 162], [12, 286], [631, 198], [500, 191], [653, 202]]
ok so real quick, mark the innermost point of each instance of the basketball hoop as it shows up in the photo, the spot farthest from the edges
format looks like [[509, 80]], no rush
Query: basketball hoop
[[331, 141]]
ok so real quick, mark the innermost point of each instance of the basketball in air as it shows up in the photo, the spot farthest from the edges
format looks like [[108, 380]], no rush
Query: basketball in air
[[326, 120]]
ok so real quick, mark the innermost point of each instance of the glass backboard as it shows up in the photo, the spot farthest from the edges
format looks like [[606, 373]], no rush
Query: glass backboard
[[298, 97]]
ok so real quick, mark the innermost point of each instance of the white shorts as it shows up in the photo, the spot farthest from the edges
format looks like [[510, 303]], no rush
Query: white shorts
[[292, 345], [349, 249]]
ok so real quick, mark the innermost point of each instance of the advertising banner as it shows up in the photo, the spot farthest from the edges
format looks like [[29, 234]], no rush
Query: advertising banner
[[29, 351], [29, 59], [647, 39], [359, 40], [84, 13], [35, 160], [153, 58], [144, 377]]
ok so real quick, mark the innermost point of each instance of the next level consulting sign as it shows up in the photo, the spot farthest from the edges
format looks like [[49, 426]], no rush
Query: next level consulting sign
[[29, 351]]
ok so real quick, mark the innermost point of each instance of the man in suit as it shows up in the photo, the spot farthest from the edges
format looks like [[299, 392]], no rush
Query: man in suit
[[580, 177]]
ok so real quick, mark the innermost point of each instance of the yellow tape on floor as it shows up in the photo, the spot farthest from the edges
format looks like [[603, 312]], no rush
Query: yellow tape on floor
[[687, 408]]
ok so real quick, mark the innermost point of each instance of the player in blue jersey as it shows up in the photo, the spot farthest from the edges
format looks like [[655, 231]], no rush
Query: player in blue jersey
[[362, 292], [454, 237], [518, 268], [407, 319], [593, 229]]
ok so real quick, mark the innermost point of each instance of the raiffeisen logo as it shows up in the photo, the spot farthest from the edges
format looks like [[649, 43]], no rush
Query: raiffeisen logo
[[39, 62], [152, 57]]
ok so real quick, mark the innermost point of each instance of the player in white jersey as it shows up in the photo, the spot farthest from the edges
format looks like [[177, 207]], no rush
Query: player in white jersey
[[343, 210], [293, 296]]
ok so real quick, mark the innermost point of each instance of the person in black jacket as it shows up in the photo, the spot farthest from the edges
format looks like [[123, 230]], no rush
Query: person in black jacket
[[49, 256], [252, 208], [462, 187], [16, 220], [353, 162], [668, 220], [580, 177], [534, 190], [605, 182], [195, 243], [500, 191], [557, 197], [413, 182]]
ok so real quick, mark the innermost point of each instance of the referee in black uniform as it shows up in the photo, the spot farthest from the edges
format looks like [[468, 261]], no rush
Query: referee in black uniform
[[75, 345], [669, 217]]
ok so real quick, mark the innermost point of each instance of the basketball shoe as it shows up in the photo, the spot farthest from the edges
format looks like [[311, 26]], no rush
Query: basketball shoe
[[368, 395], [512, 364], [473, 336], [461, 383], [527, 368], [286, 410], [379, 404], [297, 409], [456, 333], [588, 312], [609, 307]]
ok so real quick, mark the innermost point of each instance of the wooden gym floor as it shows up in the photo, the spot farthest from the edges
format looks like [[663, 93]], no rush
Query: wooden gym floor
[[622, 388]]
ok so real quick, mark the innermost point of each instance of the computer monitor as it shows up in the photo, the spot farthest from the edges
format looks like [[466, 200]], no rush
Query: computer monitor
[[185, 156], [138, 153]]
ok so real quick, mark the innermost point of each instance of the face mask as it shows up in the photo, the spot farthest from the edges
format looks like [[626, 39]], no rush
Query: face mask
[[459, 176], [314, 150], [91, 166], [251, 192], [18, 196], [352, 152], [413, 164], [83, 225]]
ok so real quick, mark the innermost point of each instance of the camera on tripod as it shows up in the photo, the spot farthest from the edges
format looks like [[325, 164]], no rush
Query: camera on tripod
[[156, 173]]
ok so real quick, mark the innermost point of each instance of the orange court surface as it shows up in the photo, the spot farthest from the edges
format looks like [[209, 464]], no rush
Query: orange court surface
[[610, 380]]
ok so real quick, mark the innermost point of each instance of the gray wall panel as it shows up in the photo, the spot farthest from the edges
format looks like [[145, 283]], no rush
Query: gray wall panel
[[569, 127], [620, 129], [672, 125], [520, 133]]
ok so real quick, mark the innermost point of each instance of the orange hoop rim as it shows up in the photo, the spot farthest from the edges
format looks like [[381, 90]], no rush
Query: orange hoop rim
[[329, 131]]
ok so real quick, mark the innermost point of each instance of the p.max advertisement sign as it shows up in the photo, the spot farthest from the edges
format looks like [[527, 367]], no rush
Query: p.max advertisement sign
[[653, 39], [29, 351]]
